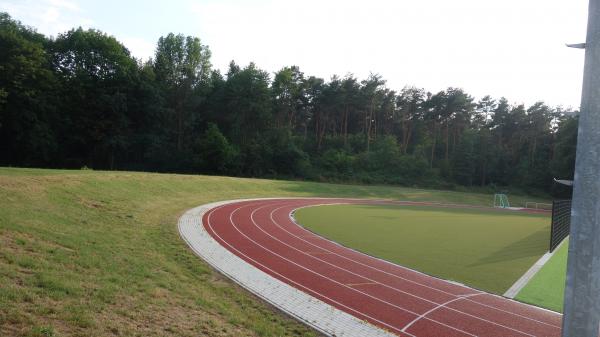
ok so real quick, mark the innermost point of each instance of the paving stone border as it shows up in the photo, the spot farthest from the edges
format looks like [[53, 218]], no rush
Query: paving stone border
[[315, 313]]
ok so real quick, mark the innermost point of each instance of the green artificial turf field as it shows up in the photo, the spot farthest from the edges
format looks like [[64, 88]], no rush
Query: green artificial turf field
[[92, 253], [547, 287], [486, 249]]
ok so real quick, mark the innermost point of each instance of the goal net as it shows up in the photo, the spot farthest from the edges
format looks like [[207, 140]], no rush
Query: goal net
[[501, 200]]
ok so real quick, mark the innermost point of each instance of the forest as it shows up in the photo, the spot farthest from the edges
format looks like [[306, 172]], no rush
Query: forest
[[81, 100]]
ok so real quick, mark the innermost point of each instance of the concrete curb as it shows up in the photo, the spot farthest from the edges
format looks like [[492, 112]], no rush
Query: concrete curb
[[313, 312], [514, 290]]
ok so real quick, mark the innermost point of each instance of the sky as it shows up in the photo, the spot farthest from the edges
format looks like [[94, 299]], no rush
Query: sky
[[510, 48]]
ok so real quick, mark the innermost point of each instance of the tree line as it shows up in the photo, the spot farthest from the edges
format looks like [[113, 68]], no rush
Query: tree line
[[81, 100]]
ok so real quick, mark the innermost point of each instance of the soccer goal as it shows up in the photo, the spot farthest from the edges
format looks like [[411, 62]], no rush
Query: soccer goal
[[501, 200]]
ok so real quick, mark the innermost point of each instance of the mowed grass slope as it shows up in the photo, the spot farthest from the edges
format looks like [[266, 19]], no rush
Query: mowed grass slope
[[547, 287], [486, 249], [85, 253]]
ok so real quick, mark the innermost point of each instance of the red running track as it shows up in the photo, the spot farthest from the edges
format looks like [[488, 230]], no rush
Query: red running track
[[397, 299]]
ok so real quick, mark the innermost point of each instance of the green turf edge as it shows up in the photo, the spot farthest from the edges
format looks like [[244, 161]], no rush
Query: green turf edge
[[546, 288]]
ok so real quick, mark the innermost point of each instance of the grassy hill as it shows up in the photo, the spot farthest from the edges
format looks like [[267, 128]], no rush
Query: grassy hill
[[87, 253]]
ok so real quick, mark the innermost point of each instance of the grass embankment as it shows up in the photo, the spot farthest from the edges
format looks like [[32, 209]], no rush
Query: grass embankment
[[85, 253], [486, 249], [547, 287]]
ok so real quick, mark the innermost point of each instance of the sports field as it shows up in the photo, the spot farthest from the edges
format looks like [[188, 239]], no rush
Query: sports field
[[486, 249]]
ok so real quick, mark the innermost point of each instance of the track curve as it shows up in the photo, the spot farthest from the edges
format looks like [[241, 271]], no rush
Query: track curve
[[394, 298]]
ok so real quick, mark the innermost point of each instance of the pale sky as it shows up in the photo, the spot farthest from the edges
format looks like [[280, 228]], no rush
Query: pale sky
[[511, 48]]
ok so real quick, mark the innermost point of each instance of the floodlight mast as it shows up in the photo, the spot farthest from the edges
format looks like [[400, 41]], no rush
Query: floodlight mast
[[582, 293]]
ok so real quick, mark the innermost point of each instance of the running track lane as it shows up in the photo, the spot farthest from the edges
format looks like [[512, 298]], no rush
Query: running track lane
[[395, 298]]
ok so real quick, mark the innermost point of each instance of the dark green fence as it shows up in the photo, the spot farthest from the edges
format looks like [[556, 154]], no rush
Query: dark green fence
[[561, 222]]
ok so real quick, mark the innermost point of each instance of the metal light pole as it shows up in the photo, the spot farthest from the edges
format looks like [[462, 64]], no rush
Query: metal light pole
[[582, 293]]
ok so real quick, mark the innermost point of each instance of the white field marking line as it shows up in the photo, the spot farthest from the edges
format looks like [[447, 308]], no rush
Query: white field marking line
[[330, 279], [402, 267], [360, 284], [308, 290], [384, 285], [434, 309]]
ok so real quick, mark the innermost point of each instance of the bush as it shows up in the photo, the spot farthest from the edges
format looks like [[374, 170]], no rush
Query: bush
[[338, 164], [214, 153]]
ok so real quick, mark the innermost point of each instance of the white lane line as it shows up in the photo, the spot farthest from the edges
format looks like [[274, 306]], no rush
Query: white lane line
[[360, 284], [434, 309], [375, 281], [404, 268], [359, 313], [233, 223]]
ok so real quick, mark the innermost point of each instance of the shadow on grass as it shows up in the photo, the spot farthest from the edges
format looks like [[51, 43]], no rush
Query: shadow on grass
[[534, 244]]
